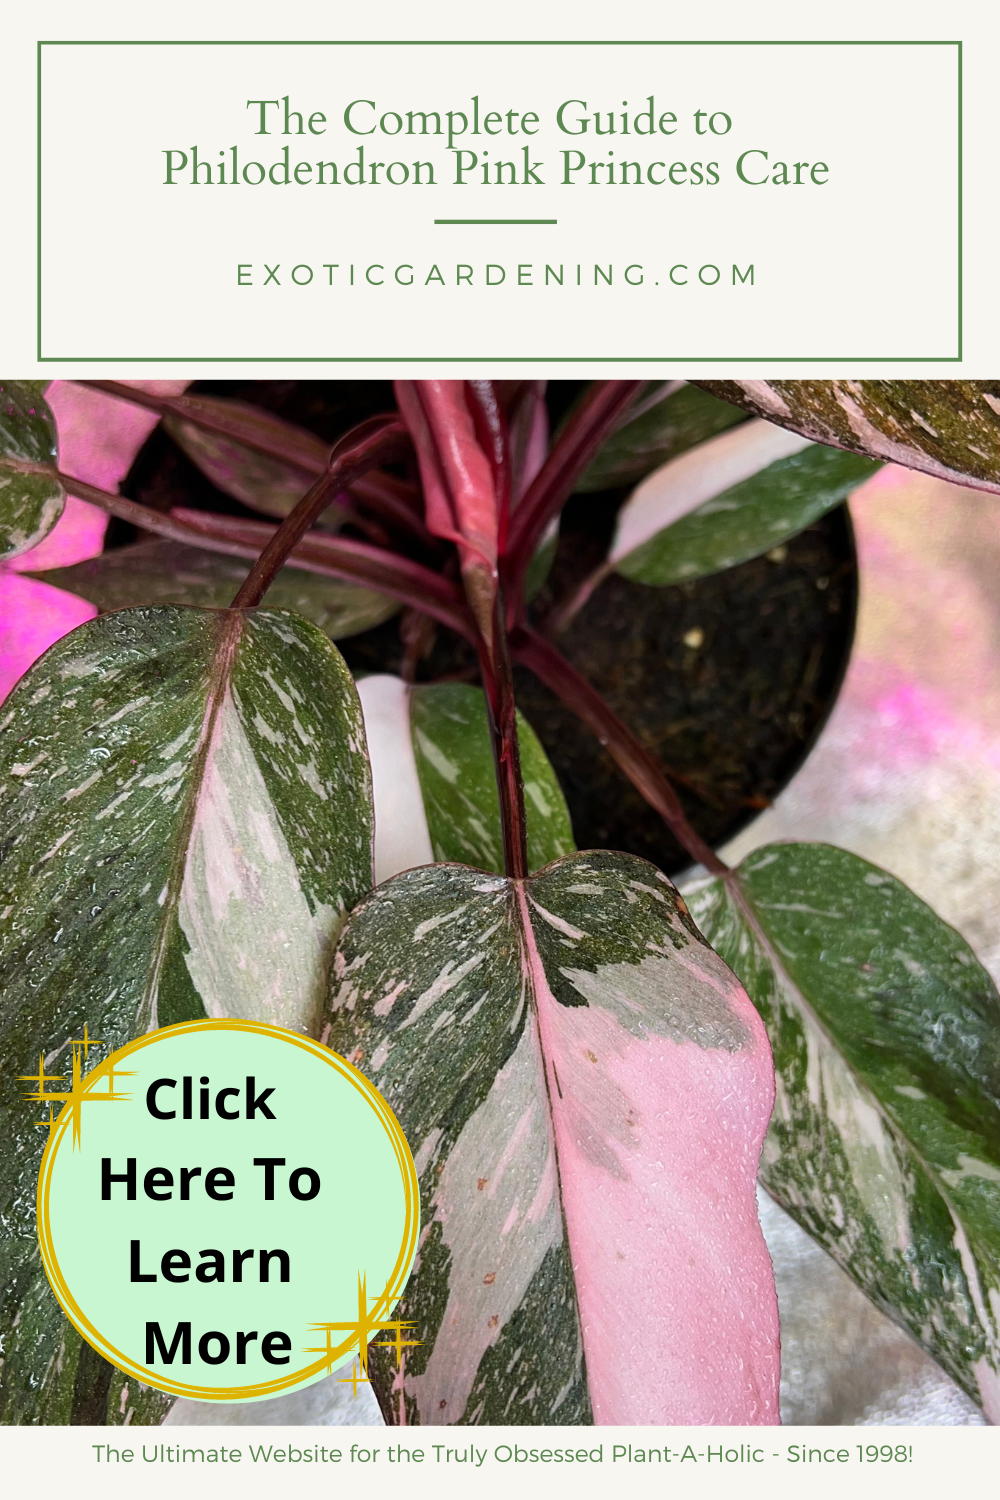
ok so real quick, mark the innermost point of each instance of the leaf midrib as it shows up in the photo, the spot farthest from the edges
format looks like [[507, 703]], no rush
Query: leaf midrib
[[735, 886], [519, 889], [219, 677]]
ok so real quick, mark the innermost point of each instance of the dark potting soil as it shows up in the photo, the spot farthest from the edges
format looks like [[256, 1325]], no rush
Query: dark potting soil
[[727, 680]]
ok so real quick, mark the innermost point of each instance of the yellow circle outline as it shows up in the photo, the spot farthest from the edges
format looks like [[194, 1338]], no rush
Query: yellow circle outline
[[394, 1286]]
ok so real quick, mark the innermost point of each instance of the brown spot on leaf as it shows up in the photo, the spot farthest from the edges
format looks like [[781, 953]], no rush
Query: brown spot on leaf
[[493, 1321], [591, 1055], [442, 1405], [489, 1278], [482, 1183]]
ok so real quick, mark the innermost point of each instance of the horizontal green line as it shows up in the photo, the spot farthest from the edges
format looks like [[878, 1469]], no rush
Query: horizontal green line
[[496, 42], [496, 221], [501, 359]]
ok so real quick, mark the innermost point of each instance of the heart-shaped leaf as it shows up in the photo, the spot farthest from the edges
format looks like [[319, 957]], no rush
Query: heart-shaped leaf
[[585, 1087], [680, 421], [31, 496], [948, 428], [187, 818], [164, 572], [885, 1142], [729, 500]]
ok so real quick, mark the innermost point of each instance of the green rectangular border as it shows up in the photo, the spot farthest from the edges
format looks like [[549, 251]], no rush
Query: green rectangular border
[[386, 359]]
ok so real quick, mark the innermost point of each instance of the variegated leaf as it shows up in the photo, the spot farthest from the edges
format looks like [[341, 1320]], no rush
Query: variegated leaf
[[163, 572], [585, 1087], [885, 1142], [187, 818], [460, 501], [435, 785], [948, 428], [681, 420], [728, 500], [266, 484], [454, 756], [31, 496]]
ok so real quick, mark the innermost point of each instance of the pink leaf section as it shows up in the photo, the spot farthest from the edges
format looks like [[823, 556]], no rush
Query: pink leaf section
[[459, 495], [658, 1143], [536, 448], [593, 1087], [99, 438]]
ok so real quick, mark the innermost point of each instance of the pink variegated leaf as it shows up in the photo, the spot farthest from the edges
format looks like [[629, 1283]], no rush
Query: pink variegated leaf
[[187, 816], [459, 492], [490, 425], [529, 439], [585, 1087]]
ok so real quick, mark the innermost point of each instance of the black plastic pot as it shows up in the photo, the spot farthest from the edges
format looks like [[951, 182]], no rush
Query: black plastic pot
[[728, 680]]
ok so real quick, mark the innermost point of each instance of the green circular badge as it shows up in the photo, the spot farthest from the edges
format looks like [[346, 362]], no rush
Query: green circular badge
[[227, 1210]]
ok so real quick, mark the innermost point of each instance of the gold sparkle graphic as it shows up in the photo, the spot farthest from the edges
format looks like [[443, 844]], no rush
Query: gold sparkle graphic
[[362, 1329], [73, 1094]]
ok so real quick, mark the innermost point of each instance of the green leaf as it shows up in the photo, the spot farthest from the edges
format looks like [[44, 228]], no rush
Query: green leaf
[[259, 481], [948, 428], [434, 783], [164, 572], [683, 419], [31, 497], [454, 757], [88, 1391], [885, 1141], [585, 1088], [131, 1404], [34, 390], [187, 818], [736, 522]]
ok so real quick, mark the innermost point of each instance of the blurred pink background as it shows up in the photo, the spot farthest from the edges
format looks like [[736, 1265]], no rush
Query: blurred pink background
[[98, 439]]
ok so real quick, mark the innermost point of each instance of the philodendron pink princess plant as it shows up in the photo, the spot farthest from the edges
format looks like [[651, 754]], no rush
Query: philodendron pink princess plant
[[583, 1079]]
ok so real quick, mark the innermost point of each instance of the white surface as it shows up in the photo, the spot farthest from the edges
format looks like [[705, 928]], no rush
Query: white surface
[[401, 837], [329, 1403]]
